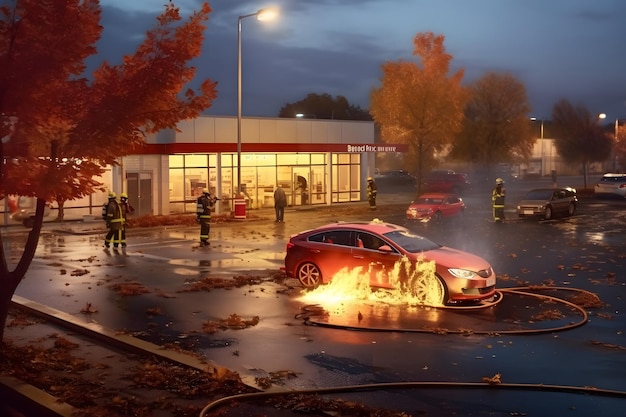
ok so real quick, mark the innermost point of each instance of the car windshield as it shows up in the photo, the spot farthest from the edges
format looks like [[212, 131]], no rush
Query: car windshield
[[411, 242], [539, 195]]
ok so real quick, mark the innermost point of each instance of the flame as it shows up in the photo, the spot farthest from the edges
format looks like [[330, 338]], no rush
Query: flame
[[411, 284]]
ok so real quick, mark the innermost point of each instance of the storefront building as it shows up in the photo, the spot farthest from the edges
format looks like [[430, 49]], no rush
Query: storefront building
[[316, 162], [319, 162]]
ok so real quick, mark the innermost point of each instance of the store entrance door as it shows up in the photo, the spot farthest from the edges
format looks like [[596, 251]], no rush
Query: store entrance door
[[140, 192], [301, 180]]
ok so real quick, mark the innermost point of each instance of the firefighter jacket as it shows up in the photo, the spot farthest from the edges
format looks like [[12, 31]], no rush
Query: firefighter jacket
[[115, 218], [203, 207], [497, 196], [371, 189]]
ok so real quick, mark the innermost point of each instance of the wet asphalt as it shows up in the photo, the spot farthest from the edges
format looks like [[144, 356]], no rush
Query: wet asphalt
[[523, 339]]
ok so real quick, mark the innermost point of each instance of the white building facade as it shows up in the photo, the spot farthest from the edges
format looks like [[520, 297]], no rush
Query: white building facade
[[319, 162]]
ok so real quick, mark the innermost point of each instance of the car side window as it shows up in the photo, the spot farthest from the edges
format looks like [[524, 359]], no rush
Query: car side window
[[335, 237], [369, 241]]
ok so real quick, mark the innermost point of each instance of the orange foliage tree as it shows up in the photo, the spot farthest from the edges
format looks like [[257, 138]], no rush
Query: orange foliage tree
[[420, 106], [60, 129], [496, 126]]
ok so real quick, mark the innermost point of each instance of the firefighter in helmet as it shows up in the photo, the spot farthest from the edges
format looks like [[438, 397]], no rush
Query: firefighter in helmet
[[126, 210], [115, 222], [497, 200], [203, 212], [371, 192]]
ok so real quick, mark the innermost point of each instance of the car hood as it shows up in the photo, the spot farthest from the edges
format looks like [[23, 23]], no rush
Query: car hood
[[424, 206], [448, 257]]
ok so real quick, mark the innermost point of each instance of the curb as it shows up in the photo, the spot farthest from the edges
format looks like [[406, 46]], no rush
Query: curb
[[44, 404]]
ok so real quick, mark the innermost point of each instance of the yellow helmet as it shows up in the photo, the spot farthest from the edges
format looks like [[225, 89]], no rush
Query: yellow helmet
[[123, 195], [499, 181], [112, 194], [205, 191], [370, 179]]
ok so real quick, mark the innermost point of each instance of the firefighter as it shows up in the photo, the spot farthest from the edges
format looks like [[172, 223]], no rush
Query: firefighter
[[371, 192], [203, 212], [115, 222], [497, 200], [126, 210]]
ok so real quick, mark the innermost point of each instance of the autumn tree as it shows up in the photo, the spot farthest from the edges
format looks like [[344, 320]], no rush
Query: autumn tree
[[578, 137], [420, 105], [324, 106], [60, 129], [496, 127]]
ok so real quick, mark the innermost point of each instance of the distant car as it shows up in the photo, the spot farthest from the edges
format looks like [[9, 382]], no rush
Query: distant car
[[445, 182], [435, 207], [611, 185], [22, 209], [547, 202], [315, 256], [395, 177]]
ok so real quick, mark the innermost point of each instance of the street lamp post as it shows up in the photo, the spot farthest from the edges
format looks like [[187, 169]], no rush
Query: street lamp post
[[615, 145], [262, 15], [534, 119]]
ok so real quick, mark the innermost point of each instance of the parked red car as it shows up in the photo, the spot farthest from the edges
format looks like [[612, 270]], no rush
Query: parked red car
[[446, 182], [315, 256], [434, 207]]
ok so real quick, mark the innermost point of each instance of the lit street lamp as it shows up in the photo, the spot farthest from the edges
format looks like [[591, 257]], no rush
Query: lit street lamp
[[262, 15], [613, 156]]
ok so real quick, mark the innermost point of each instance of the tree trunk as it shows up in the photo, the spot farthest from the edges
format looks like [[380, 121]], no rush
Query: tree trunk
[[420, 165], [61, 212], [9, 280]]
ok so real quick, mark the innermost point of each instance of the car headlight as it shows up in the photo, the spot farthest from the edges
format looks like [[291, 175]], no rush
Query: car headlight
[[462, 273]]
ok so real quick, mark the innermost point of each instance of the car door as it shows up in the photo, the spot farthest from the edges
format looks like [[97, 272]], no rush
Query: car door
[[450, 206], [331, 250], [368, 255], [559, 202]]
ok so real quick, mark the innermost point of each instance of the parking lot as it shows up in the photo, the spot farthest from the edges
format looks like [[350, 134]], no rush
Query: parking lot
[[517, 340]]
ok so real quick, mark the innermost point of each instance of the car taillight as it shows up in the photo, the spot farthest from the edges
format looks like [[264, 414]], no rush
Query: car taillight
[[289, 245], [622, 186]]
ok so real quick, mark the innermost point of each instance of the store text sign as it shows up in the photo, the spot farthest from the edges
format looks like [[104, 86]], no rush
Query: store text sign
[[372, 148]]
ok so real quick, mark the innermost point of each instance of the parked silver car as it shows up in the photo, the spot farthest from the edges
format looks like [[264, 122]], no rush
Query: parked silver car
[[546, 202], [611, 185]]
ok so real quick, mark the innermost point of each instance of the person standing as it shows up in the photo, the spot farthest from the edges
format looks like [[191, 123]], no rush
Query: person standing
[[497, 200], [126, 210], [203, 211], [372, 190], [115, 222], [280, 202]]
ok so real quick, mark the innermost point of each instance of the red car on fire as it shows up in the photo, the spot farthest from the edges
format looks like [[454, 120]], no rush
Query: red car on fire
[[315, 256]]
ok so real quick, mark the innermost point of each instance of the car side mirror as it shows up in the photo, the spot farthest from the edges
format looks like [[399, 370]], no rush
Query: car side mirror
[[385, 248]]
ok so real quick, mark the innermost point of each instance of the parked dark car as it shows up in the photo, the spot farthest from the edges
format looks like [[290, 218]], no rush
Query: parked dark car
[[315, 256], [547, 202], [446, 182], [395, 178]]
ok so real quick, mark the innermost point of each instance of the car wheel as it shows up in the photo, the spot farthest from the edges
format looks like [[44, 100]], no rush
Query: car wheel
[[548, 213], [571, 209], [442, 297], [309, 275]]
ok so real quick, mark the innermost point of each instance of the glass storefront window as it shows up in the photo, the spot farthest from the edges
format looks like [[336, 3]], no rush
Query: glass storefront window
[[196, 161]]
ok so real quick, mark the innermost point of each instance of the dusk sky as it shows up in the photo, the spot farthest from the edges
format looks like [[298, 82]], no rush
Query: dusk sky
[[572, 49]]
